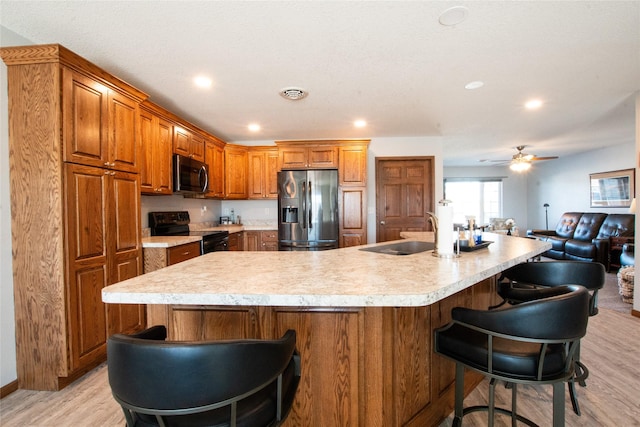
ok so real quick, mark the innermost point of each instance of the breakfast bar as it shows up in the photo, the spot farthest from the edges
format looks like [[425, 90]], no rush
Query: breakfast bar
[[364, 320]]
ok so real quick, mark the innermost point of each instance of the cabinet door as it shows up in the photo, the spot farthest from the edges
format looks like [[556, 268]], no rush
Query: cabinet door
[[125, 248], [269, 240], [86, 199], [84, 119], [163, 149], [123, 143], [235, 166], [353, 221], [212, 154], [271, 174], [352, 168], [251, 240], [257, 172], [147, 141], [293, 158], [155, 154], [197, 147], [181, 141], [322, 157]]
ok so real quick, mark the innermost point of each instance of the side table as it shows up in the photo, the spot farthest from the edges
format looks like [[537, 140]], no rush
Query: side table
[[615, 249]]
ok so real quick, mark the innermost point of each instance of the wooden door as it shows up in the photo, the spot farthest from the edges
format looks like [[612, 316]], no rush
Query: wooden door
[[404, 193]]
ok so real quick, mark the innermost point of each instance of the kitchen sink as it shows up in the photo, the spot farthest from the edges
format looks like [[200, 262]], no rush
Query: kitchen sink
[[402, 248]]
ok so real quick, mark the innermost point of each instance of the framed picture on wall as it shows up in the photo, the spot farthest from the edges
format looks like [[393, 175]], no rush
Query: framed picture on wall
[[614, 189]]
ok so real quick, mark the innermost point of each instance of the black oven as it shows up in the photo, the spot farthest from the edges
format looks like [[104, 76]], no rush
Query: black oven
[[177, 224], [212, 241]]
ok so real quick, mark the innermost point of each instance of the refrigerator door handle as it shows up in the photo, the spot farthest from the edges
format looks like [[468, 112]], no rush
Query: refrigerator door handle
[[304, 204], [310, 206]]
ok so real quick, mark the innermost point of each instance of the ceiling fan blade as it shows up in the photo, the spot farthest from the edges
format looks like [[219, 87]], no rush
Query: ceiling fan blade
[[544, 158]]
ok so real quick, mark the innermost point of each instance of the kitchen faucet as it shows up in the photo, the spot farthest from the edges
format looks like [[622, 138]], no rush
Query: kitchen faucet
[[433, 219]]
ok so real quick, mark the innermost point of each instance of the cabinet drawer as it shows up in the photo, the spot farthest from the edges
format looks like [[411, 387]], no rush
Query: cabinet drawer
[[269, 236], [181, 253]]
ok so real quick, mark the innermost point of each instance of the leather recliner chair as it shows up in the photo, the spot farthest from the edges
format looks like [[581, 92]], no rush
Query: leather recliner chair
[[585, 236]]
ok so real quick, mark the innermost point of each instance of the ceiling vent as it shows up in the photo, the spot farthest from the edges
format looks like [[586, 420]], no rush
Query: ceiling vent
[[293, 93]]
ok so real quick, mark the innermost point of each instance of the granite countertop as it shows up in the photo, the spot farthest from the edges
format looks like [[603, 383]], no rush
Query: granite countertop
[[168, 241], [346, 277]]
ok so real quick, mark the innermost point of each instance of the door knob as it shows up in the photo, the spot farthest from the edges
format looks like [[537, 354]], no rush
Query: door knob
[[382, 223]]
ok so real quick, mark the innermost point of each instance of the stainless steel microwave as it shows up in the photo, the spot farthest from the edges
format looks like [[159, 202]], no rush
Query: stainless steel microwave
[[189, 175]]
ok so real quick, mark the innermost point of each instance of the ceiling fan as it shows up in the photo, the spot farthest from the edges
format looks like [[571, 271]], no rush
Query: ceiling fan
[[521, 161]]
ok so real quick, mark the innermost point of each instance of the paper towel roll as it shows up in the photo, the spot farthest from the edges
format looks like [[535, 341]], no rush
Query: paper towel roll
[[445, 229]]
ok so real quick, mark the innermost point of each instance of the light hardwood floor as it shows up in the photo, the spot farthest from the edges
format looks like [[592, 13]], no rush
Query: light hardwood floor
[[611, 350]]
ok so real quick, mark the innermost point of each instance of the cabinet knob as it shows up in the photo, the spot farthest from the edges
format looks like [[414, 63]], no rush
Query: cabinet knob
[[106, 164]]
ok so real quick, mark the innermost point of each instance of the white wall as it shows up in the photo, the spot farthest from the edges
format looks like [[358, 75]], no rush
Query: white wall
[[8, 372], [564, 183]]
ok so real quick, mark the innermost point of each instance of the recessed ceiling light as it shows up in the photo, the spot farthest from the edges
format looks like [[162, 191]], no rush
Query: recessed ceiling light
[[203, 82], [533, 104], [474, 85], [453, 16], [254, 127], [360, 123], [293, 93]]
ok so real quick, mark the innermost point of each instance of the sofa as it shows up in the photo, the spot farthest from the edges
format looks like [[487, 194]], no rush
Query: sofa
[[585, 236]]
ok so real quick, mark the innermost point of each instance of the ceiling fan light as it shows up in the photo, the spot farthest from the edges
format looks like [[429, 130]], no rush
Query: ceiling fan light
[[520, 166]]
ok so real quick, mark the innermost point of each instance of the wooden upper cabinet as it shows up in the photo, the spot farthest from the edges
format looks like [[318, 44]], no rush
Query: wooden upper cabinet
[[263, 173], [214, 157], [188, 143], [304, 156], [99, 124], [235, 171], [352, 169], [156, 136]]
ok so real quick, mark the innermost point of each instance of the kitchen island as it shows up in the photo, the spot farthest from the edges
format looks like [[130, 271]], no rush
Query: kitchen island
[[364, 320]]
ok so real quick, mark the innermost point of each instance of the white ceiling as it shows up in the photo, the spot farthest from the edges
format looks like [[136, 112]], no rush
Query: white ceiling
[[390, 63]]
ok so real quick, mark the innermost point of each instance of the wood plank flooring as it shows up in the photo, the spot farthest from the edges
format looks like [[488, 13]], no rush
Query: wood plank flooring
[[611, 350]]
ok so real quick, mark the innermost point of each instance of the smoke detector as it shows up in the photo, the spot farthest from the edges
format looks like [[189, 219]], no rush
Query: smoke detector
[[293, 93]]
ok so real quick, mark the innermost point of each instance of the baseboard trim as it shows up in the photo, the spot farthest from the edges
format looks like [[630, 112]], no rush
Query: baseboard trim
[[635, 313], [8, 389]]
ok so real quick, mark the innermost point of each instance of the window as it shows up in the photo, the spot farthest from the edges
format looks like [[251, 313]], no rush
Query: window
[[480, 197]]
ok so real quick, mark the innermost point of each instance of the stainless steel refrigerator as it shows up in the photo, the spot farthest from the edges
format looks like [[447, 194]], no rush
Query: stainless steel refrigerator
[[307, 210]]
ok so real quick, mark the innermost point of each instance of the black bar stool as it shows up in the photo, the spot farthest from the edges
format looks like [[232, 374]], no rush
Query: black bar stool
[[209, 383], [530, 343], [534, 280]]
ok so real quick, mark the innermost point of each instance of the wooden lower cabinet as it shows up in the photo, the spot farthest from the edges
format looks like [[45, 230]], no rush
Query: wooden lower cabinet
[[261, 240], [157, 258], [103, 239], [361, 366], [236, 241]]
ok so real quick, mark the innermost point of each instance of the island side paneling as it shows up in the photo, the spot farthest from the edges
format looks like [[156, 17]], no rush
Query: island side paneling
[[361, 366]]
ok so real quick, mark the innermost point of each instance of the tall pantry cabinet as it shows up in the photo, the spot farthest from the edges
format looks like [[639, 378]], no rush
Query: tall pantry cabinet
[[75, 205]]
